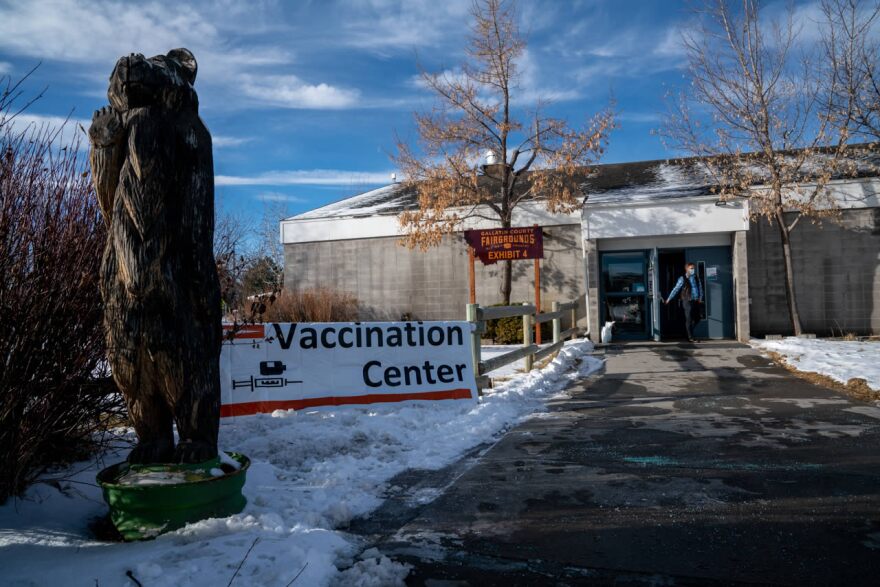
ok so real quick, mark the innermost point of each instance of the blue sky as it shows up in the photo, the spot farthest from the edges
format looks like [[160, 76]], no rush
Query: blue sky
[[304, 98]]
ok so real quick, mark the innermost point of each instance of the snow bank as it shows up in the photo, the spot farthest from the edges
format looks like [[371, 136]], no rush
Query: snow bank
[[311, 473], [837, 359]]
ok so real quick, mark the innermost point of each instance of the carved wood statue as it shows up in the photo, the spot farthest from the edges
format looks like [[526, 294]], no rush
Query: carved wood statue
[[152, 166]]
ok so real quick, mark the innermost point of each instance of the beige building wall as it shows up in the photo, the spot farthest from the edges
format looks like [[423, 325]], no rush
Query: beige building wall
[[392, 282]]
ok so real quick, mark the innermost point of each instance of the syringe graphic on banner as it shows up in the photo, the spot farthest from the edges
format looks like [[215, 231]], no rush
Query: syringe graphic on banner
[[272, 369]]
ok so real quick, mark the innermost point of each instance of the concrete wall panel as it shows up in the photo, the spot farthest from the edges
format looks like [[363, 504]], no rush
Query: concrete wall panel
[[837, 275], [391, 281]]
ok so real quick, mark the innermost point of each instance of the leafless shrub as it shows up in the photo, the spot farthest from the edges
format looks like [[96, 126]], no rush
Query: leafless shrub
[[55, 396], [310, 305]]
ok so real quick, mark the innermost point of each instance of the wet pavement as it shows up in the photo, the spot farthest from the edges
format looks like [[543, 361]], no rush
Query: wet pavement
[[679, 464]]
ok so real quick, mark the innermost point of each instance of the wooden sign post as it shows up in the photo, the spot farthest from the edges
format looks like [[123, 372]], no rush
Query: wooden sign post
[[537, 296], [472, 280]]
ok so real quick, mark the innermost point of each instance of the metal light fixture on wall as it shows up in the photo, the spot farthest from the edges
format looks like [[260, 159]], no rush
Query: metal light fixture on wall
[[731, 203]]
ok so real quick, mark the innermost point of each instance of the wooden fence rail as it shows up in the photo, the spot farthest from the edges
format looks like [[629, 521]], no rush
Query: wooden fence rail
[[530, 351]]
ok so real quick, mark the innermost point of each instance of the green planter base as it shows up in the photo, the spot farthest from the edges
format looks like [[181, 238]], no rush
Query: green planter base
[[144, 511]]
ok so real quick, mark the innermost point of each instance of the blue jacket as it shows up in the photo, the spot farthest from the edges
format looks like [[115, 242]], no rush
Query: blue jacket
[[696, 290]]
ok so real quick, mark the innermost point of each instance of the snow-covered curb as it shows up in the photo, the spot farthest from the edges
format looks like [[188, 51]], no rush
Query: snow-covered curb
[[311, 473], [838, 359]]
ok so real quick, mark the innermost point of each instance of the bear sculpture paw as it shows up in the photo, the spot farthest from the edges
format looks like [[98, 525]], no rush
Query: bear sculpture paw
[[194, 451], [106, 128]]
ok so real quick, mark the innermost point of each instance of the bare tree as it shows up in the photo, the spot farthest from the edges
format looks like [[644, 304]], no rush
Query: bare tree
[[270, 239], [539, 157], [764, 130], [852, 54], [250, 260], [232, 253]]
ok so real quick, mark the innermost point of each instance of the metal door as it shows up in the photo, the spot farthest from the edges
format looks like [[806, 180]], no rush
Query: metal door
[[715, 271]]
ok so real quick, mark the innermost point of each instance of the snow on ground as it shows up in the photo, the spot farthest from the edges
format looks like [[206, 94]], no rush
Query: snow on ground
[[487, 351], [839, 359], [311, 473]]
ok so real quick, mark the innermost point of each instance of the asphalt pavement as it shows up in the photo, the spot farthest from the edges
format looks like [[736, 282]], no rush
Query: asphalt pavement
[[678, 464]]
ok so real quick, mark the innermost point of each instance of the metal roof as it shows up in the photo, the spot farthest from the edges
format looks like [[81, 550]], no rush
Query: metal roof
[[639, 181]]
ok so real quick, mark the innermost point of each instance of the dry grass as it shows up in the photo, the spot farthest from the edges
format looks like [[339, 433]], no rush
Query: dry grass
[[856, 387], [309, 305]]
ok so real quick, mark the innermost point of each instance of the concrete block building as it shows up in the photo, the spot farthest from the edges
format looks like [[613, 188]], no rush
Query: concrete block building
[[354, 245], [619, 256]]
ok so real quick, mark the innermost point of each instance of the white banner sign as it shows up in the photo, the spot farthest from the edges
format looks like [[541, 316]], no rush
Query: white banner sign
[[282, 366]]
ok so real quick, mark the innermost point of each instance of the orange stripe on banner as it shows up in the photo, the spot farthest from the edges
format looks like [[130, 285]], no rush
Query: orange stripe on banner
[[250, 331], [248, 408]]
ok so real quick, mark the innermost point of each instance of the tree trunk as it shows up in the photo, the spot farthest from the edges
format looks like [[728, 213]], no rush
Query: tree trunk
[[506, 281], [506, 272], [789, 273]]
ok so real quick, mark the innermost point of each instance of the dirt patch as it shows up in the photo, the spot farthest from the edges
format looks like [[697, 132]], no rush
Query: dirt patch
[[856, 387]]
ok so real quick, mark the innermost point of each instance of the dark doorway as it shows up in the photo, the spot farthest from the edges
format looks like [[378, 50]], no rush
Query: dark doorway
[[671, 315]]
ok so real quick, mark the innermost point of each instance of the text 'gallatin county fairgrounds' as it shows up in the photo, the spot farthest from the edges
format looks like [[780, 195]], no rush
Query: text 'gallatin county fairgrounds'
[[506, 244]]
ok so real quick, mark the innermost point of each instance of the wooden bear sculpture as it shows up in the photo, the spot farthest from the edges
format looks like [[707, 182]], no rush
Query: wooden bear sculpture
[[153, 172]]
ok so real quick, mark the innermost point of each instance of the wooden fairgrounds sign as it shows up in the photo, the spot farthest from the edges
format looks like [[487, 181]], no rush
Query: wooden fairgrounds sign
[[506, 244], [282, 366]]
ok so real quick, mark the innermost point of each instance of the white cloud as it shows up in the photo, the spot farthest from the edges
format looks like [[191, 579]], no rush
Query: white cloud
[[95, 33], [391, 25], [807, 20], [599, 72], [221, 141], [306, 177], [532, 86], [26, 121], [604, 51], [289, 91], [67, 129], [96, 30], [639, 117], [455, 75], [636, 52], [672, 44], [5, 67], [279, 197]]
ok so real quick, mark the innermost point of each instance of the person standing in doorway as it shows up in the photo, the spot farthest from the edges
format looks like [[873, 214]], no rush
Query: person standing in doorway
[[691, 294]]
